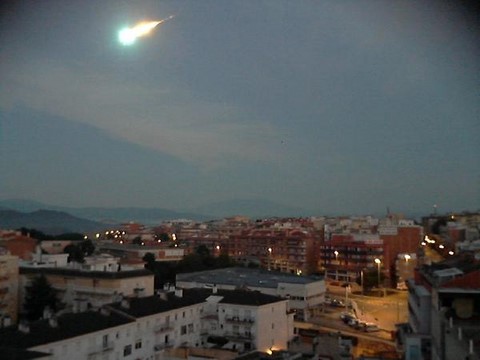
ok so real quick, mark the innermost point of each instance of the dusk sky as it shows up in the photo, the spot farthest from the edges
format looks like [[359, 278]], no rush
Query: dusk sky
[[336, 107]]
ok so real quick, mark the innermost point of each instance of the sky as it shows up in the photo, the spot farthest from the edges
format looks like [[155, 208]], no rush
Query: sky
[[330, 106]]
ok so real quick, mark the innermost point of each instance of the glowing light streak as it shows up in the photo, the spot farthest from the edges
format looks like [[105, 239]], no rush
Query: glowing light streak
[[128, 36]]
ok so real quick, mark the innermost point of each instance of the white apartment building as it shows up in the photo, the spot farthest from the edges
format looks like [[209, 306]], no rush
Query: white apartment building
[[94, 287], [305, 294], [151, 327]]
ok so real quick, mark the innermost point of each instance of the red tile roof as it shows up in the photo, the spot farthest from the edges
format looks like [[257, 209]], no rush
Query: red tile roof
[[467, 281]]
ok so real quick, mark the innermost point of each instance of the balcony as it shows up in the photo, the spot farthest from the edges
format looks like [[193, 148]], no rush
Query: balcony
[[238, 320], [238, 336], [163, 346], [101, 349], [162, 328]]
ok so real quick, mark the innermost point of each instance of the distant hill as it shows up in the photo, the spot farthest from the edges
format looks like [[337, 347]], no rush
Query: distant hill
[[149, 216], [253, 208], [47, 221]]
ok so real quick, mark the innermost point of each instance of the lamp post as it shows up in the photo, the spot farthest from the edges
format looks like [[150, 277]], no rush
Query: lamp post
[[361, 279], [336, 263], [378, 262], [269, 256]]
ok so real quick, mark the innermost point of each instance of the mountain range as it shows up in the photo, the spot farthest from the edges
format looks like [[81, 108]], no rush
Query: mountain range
[[16, 213]]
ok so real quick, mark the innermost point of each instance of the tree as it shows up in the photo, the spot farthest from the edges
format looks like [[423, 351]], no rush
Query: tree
[[137, 240], [149, 259], [87, 247], [39, 295], [75, 253], [370, 279]]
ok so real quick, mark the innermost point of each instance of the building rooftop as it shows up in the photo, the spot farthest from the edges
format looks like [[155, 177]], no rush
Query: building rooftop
[[122, 274], [68, 326], [145, 306], [244, 277]]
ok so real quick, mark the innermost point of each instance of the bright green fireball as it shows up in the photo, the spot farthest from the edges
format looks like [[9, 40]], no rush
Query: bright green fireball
[[127, 36]]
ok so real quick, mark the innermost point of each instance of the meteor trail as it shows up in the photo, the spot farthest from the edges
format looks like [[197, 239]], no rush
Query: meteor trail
[[127, 36]]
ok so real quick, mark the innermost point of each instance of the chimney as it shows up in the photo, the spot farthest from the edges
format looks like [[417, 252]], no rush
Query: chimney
[[125, 304], [104, 311], [6, 321], [24, 327], [53, 322], [178, 292], [214, 289], [47, 312], [162, 295]]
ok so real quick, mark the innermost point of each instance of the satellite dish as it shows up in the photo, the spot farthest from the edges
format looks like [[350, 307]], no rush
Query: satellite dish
[[463, 307]]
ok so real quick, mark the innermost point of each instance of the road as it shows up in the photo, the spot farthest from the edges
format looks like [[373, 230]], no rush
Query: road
[[384, 311], [340, 328]]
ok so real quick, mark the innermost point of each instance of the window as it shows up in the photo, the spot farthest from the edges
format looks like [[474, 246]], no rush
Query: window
[[190, 328], [105, 341], [183, 315], [183, 330], [127, 350], [138, 344]]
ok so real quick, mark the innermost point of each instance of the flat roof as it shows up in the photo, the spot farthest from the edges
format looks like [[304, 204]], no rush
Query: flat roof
[[150, 305], [69, 326], [240, 276], [122, 274]]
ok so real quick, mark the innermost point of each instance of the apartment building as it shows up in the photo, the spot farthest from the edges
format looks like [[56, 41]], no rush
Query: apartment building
[[293, 251], [153, 327], [305, 294], [8, 287], [354, 245], [344, 257], [92, 285], [18, 244], [444, 311]]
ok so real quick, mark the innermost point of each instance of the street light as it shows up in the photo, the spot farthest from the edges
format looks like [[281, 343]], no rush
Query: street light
[[378, 262], [269, 256], [336, 255], [407, 257]]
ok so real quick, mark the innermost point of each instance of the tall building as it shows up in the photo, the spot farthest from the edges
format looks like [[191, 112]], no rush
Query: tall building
[[8, 288], [444, 311]]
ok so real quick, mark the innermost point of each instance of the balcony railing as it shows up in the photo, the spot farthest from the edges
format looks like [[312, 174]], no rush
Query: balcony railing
[[101, 349], [238, 336], [237, 319], [163, 346], [162, 328]]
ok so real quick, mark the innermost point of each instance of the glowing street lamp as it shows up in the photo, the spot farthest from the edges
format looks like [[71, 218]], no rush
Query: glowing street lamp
[[407, 257], [269, 256], [378, 262], [336, 255]]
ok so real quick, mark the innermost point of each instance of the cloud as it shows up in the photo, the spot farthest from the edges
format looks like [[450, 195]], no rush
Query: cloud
[[157, 116]]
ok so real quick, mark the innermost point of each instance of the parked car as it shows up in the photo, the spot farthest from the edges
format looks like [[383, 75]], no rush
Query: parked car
[[353, 322], [360, 325], [346, 317], [371, 327], [337, 303]]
